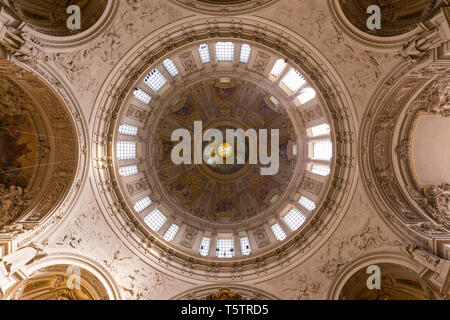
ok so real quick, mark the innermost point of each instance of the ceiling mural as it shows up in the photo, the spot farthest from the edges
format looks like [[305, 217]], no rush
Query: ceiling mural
[[18, 163], [18, 152], [18, 143], [38, 152], [224, 192]]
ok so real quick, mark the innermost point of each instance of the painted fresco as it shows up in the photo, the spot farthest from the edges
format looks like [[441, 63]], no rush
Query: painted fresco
[[18, 145], [225, 94]]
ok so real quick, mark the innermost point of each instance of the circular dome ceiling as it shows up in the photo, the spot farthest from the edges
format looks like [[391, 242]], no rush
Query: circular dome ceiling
[[219, 190], [226, 205]]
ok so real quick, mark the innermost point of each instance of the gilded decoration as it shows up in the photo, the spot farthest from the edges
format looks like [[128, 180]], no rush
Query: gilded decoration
[[224, 192]]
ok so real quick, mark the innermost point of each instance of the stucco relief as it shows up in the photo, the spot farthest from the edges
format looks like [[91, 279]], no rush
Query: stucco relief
[[362, 69], [222, 7], [343, 250], [399, 191], [434, 199], [360, 232], [133, 20], [89, 234], [214, 292]]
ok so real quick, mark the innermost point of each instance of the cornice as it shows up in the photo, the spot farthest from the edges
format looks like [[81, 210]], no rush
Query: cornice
[[233, 8]]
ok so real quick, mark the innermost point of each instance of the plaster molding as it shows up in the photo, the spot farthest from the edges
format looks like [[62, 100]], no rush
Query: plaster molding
[[376, 257], [245, 291], [218, 8]]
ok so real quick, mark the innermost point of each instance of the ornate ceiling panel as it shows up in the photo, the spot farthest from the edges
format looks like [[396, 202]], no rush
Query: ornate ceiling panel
[[226, 293], [43, 154], [429, 158], [223, 192], [39, 148]]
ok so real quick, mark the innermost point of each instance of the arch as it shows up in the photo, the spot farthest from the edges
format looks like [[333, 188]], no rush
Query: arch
[[46, 21], [379, 257], [392, 34], [386, 167], [241, 292], [95, 271]]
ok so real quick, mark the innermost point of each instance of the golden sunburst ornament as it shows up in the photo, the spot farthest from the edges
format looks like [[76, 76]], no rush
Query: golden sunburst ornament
[[225, 150]]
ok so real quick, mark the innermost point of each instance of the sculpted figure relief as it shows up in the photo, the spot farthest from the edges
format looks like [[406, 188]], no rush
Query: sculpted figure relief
[[418, 46], [436, 202], [11, 102], [439, 97], [13, 200]]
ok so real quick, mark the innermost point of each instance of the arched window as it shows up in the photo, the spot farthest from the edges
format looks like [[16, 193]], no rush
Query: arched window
[[224, 51], [128, 170], [245, 53], [225, 247], [306, 95], [204, 246], [155, 220], [171, 67], [322, 150], [171, 232], [155, 80], [320, 130], [245, 246], [278, 68], [321, 170], [294, 219], [278, 232], [293, 80], [307, 203], [142, 204], [203, 51], [126, 150], [128, 130], [142, 96]]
